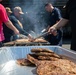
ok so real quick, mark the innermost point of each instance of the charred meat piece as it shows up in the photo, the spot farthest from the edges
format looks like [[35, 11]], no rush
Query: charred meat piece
[[41, 50], [47, 54], [22, 40], [40, 40], [59, 67], [24, 62], [32, 58], [47, 58], [28, 40]]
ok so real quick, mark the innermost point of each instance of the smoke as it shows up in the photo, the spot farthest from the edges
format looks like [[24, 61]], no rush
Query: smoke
[[36, 14], [35, 10]]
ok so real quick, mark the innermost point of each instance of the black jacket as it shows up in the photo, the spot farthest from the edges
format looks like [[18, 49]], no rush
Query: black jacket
[[8, 32]]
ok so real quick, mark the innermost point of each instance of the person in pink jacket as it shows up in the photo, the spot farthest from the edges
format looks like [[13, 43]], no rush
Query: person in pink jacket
[[4, 19]]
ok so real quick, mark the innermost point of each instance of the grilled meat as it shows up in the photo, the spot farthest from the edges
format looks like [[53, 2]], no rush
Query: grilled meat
[[32, 58], [49, 63], [59, 67], [47, 58], [24, 62], [41, 50], [27, 40], [47, 54], [40, 40]]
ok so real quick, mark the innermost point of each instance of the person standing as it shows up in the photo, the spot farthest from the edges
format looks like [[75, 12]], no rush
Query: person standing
[[4, 19], [24, 19], [16, 23], [53, 18], [70, 16], [6, 30], [18, 14]]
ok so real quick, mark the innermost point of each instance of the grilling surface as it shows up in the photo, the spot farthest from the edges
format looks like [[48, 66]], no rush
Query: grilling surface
[[23, 42]]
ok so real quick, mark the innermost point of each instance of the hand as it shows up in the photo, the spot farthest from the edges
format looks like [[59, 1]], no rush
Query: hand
[[30, 38], [16, 32], [52, 30]]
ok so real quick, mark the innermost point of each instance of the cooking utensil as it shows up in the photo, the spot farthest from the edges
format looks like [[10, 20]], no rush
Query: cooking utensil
[[42, 35]]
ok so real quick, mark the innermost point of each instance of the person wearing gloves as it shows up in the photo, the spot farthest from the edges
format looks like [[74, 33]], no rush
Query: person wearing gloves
[[17, 24], [53, 18], [70, 16]]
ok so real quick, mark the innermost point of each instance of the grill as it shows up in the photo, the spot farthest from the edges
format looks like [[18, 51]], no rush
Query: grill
[[9, 55], [24, 43]]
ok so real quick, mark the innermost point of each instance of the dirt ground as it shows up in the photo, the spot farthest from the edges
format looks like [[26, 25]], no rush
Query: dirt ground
[[66, 43]]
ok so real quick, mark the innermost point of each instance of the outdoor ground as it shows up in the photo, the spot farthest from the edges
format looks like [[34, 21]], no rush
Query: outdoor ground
[[66, 43]]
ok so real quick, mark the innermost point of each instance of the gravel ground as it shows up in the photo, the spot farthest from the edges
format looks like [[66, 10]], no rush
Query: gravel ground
[[67, 46], [66, 43]]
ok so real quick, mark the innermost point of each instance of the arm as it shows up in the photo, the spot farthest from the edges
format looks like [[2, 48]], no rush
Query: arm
[[4, 18], [61, 23], [20, 24], [11, 26], [22, 31], [58, 25], [16, 24]]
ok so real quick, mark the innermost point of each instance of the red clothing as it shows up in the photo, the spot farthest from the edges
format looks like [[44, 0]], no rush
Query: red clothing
[[3, 18]]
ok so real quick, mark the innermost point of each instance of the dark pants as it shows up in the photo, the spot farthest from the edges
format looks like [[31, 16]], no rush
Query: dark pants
[[54, 40], [73, 44], [73, 28], [1, 44]]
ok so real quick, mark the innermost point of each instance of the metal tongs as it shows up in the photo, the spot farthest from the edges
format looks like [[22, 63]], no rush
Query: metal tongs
[[42, 35]]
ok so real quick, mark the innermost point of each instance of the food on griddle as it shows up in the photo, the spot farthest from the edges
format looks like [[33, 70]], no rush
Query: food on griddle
[[41, 50], [27, 40], [22, 40], [59, 67], [24, 62], [40, 40]]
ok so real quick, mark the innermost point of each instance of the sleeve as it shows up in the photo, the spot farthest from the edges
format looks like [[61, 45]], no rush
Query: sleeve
[[4, 16], [58, 14], [13, 19], [22, 31], [15, 23], [66, 14]]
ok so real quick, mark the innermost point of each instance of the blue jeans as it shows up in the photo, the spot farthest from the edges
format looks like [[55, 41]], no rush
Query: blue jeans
[[60, 43]]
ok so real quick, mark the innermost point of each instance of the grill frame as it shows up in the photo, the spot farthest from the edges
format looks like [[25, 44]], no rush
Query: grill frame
[[14, 43]]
